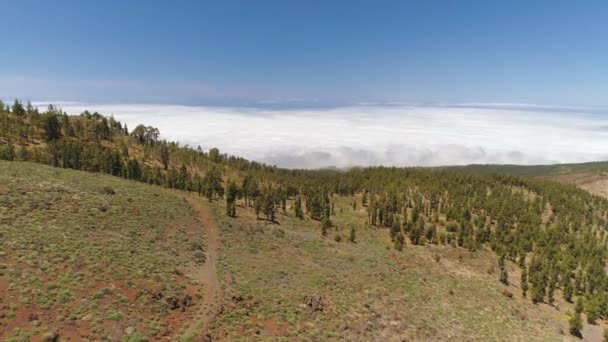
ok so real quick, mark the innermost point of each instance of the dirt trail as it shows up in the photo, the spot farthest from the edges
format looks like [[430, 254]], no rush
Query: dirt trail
[[207, 274]]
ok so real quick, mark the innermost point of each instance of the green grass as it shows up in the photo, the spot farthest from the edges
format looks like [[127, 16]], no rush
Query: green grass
[[71, 250]]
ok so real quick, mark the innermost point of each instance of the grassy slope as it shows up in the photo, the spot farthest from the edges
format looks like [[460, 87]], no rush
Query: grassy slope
[[88, 264], [83, 262], [370, 292]]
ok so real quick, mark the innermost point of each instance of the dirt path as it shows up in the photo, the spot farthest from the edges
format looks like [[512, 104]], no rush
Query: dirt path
[[207, 274]]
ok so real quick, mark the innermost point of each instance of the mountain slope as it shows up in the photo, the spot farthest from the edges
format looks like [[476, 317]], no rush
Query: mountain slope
[[93, 256], [592, 177], [286, 280], [535, 170]]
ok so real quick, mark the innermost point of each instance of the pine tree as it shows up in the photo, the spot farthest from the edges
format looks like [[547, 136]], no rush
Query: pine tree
[[7, 152], [575, 324], [416, 231], [164, 155], [182, 178], [399, 241], [52, 127], [579, 305], [231, 196], [284, 203], [298, 208], [18, 108], [568, 290], [133, 169], [257, 206], [352, 236], [395, 229], [538, 279], [524, 281], [504, 275], [214, 155], [430, 234], [551, 293], [325, 225], [22, 153], [212, 183]]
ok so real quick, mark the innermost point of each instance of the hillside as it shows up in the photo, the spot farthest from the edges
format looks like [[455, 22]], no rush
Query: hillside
[[402, 253], [82, 258], [92, 256], [286, 280], [592, 177], [535, 170]]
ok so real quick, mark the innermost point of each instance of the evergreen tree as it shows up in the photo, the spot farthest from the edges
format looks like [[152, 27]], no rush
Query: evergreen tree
[[182, 178], [22, 153], [551, 293], [504, 275], [325, 225], [524, 281], [416, 231], [257, 206], [7, 152], [164, 154], [133, 169], [431, 234], [52, 127], [298, 208], [352, 236], [568, 290], [538, 279], [575, 324], [284, 203], [214, 155], [399, 242], [231, 196], [212, 184], [579, 305], [395, 229], [18, 108]]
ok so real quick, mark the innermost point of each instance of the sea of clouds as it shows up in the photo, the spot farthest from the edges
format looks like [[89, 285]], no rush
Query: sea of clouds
[[380, 134]]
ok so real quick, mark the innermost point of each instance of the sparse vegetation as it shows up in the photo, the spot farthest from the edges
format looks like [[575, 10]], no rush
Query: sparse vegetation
[[118, 239], [65, 265]]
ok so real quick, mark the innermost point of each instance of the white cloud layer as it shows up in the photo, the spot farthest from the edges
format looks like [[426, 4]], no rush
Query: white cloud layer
[[401, 135]]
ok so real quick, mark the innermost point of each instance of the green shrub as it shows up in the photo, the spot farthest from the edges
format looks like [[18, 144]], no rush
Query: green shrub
[[115, 316], [7, 152], [108, 190]]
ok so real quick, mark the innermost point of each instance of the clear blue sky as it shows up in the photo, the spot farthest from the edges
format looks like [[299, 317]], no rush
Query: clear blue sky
[[230, 52]]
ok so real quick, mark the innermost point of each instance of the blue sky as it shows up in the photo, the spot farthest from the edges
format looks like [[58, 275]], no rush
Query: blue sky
[[306, 52]]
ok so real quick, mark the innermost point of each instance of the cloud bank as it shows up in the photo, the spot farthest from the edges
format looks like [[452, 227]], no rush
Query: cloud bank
[[397, 134]]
